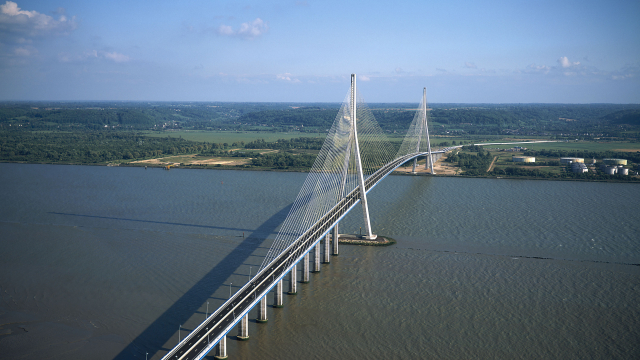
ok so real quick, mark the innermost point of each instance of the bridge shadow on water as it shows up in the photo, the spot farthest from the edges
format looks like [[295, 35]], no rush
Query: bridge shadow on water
[[149, 221], [153, 338]]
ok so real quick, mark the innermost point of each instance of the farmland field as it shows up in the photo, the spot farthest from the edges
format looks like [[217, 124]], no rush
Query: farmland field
[[230, 136]]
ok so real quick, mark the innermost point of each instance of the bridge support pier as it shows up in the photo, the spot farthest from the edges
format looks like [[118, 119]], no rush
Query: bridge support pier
[[316, 258], [221, 349], [293, 283], [262, 310], [335, 238], [305, 268], [243, 328], [327, 259], [277, 296]]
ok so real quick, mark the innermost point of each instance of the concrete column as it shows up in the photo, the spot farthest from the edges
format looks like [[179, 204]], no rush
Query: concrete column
[[243, 328], [262, 310], [335, 237], [277, 296], [316, 258], [221, 349], [293, 281], [327, 259], [305, 268]]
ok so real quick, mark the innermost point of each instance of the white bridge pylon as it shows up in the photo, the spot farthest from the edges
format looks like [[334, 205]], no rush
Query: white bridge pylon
[[353, 139], [421, 116], [355, 148]]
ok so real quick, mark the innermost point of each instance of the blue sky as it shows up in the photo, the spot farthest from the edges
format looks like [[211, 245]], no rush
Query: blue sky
[[304, 51]]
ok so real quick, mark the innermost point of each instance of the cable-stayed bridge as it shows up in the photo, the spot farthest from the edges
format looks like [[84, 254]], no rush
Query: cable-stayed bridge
[[355, 157]]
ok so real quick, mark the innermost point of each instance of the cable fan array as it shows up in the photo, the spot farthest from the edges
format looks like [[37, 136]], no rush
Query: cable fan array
[[334, 172], [416, 133]]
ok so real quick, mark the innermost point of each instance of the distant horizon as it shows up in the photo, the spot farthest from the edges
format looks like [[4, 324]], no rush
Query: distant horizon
[[310, 102]]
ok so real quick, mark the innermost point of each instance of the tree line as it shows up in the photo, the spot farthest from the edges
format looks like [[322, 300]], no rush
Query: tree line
[[613, 120], [89, 147], [284, 144]]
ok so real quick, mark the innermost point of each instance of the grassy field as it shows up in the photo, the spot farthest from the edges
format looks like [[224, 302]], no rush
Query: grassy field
[[589, 145], [576, 145], [230, 136]]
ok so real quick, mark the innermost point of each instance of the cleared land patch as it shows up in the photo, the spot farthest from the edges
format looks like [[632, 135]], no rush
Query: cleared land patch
[[194, 160]]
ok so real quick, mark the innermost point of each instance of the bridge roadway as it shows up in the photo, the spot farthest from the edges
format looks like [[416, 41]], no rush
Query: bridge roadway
[[202, 339]]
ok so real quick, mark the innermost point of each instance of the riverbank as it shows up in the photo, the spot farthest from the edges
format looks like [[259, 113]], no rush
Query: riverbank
[[613, 179]]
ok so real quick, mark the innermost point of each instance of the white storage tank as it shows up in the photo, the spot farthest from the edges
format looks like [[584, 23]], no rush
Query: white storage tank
[[615, 161], [623, 171], [569, 160], [610, 170]]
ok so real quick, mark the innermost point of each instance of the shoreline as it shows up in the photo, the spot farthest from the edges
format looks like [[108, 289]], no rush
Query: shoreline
[[400, 173]]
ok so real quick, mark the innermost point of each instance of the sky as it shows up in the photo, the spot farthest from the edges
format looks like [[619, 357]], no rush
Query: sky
[[304, 51]]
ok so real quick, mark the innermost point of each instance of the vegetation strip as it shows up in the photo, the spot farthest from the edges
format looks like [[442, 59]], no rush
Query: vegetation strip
[[287, 137]]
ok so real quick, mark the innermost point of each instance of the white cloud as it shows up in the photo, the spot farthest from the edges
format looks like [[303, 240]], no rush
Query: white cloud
[[565, 63], [533, 68], [25, 51], [117, 57], [247, 30], [287, 77], [17, 25], [364, 78], [470, 65], [225, 30], [94, 54], [12, 9], [627, 72]]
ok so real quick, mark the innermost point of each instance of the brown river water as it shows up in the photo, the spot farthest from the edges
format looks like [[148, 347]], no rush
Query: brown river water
[[115, 263]]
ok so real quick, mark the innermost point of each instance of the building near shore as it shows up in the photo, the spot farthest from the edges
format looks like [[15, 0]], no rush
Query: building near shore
[[569, 160], [615, 161], [615, 169], [577, 167], [524, 159]]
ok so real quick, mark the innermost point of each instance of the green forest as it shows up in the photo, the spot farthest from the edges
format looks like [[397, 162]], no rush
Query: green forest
[[586, 120], [89, 147]]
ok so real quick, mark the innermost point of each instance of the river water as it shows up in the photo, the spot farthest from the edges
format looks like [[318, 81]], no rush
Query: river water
[[115, 263]]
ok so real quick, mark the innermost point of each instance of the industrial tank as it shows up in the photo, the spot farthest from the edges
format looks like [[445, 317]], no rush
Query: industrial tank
[[569, 160], [615, 161]]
